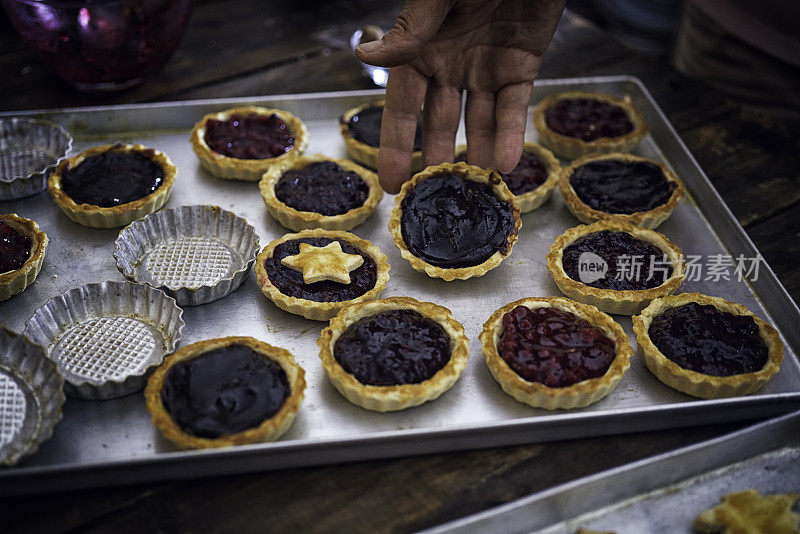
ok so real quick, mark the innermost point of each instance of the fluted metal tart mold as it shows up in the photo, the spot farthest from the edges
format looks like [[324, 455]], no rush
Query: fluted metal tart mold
[[197, 254], [31, 396], [105, 338], [29, 151]]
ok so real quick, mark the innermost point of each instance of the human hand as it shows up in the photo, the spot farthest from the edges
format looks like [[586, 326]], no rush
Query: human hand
[[492, 49]]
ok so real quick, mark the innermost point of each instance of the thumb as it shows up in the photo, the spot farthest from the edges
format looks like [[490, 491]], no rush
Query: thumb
[[415, 26]]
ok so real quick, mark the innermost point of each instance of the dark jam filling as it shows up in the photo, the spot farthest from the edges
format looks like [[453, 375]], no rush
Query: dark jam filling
[[452, 222], [587, 119], [554, 347], [629, 261], [290, 282], [615, 186], [392, 348], [365, 126], [322, 187], [529, 173], [113, 177], [224, 391], [249, 136], [15, 248], [709, 341]]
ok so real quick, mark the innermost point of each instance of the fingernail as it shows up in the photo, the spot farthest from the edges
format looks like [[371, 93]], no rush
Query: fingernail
[[368, 48]]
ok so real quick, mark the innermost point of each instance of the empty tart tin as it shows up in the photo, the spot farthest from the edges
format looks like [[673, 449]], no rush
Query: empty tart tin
[[105, 338], [197, 254], [31, 396], [29, 151]]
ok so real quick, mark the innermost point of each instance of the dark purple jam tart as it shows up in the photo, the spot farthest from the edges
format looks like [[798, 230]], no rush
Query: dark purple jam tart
[[554, 353], [113, 177], [587, 119], [706, 346], [530, 173], [249, 136], [224, 391], [365, 126], [15, 248], [322, 187], [617, 248], [553, 347], [391, 354], [392, 348], [450, 222], [709, 341], [577, 123]]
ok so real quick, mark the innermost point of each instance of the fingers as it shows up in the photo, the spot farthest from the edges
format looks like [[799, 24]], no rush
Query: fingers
[[405, 92], [480, 124], [416, 25], [511, 111], [441, 115]]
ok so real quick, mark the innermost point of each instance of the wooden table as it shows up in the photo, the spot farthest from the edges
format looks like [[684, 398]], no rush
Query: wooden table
[[258, 47]]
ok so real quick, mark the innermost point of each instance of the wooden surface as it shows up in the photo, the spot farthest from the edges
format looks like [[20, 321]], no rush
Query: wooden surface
[[251, 47]]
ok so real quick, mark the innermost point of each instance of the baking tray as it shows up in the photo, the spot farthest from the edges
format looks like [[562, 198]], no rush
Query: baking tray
[[657, 495], [113, 442]]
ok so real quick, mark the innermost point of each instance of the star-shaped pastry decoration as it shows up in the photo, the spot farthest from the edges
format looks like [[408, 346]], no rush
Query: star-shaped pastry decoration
[[748, 512], [323, 263]]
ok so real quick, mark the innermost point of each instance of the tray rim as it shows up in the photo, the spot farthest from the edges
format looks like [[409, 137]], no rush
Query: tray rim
[[429, 440]]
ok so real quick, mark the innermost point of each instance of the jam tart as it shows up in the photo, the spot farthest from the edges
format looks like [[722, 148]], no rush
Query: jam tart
[[22, 248], [224, 392], [112, 185], [361, 131], [394, 353], [706, 346], [553, 353], [320, 192], [620, 187], [616, 266], [245, 142], [577, 123], [455, 221], [533, 179], [315, 273]]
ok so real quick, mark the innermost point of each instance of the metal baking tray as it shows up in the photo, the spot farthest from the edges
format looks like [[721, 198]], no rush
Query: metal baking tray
[[113, 442], [657, 495]]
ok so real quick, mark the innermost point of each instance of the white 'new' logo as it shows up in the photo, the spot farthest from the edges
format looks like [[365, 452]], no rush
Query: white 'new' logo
[[591, 267]]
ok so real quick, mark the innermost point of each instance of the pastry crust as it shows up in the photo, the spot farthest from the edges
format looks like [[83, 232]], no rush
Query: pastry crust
[[540, 395], [623, 302], [311, 309], [302, 220], [15, 282], [468, 172], [574, 147], [644, 219], [699, 384], [531, 200], [114, 216], [400, 397], [367, 154], [248, 170], [269, 430]]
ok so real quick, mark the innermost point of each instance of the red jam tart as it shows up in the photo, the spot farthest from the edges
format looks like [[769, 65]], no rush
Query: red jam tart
[[577, 123], [22, 248], [555, 353], [533, 179], [394, 353], [706, 346], [243, 143]]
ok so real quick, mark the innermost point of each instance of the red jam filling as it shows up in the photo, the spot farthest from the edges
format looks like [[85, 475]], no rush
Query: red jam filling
[[392, 348], [249, 136], [554, 347], [15, 248], [632, 263], [588, 119], [709, 341], [529, 173]]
